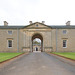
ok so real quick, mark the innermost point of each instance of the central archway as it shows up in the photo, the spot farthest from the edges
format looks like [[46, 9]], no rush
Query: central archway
[[39, 36]]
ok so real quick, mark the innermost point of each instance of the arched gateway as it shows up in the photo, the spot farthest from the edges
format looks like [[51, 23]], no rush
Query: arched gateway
[[37, 35], [37, 30]]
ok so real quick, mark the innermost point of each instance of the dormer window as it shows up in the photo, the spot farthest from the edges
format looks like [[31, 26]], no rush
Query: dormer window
[[64, 31], [10, 32]]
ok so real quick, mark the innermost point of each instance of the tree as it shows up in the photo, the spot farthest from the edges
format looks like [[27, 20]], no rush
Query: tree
[[36, 42]]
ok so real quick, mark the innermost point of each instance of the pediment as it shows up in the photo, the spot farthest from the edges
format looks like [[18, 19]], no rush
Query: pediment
[[37, 25]]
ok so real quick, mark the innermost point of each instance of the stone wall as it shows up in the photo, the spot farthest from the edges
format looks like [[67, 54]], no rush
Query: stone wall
[[4, 36], [52, 39]]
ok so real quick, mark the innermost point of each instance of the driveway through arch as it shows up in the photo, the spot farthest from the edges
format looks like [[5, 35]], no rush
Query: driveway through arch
[[37, 35], [37, 63]]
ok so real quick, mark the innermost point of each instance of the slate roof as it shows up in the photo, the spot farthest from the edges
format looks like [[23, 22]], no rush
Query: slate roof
[[53, 27], [63, 27], [11, 27]]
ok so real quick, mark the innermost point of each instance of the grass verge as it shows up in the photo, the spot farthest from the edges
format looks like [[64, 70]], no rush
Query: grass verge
[[70, 55], [6, 56]]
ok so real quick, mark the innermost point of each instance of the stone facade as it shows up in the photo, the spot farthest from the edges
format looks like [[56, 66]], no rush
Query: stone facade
[[51, 36]]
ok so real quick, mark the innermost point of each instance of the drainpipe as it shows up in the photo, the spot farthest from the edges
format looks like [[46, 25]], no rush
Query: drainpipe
[[17, 40], [51, 41], [24, 39], [56, 39]]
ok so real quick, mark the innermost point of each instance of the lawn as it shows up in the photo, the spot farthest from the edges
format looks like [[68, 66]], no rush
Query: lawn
[[6, 56], [70, 55]]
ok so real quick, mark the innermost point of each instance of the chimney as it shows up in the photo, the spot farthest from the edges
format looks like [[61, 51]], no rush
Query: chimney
[[30, 22], [68, 23], [43, 22], [5, 23]]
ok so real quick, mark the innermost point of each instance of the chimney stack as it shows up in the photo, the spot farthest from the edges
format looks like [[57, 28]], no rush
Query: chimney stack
[[43, 22], [68, 23], [5, 23], [30, 22]]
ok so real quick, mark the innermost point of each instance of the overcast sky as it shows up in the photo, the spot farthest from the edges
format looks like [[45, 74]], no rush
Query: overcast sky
[[53, 12]]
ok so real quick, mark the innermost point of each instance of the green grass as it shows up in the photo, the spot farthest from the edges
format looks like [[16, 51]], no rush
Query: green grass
[[70, 55], [6, 56]]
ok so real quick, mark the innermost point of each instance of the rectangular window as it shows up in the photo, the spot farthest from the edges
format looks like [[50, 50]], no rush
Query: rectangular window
[[9, 43], [64, 43], [10, 32]]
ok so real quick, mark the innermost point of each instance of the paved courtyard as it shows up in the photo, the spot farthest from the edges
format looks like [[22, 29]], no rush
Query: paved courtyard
[[37, 63]]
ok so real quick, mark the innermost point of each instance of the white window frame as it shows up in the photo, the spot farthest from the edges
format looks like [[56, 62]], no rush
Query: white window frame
[[66, 43], [8, 43], [11, 31]]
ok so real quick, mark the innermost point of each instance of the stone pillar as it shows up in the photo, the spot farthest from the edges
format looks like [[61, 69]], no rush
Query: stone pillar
[[30, 44], [56, 39]]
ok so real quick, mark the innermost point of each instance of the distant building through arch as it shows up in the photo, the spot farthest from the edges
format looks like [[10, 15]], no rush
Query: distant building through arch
[[37, 35]]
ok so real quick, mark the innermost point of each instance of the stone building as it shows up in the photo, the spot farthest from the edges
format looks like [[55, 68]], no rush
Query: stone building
[[36, 47], [53, 38]]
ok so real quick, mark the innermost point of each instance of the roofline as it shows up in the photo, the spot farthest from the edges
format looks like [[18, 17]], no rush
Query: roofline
[[50, 26]]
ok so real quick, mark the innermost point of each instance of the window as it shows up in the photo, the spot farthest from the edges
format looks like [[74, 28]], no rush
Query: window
[[10, 32], [9, 43], [64, 43], [37, 25], [64, 31]]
